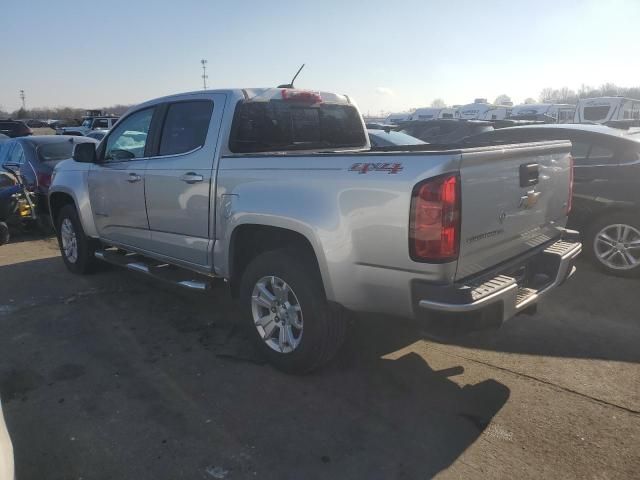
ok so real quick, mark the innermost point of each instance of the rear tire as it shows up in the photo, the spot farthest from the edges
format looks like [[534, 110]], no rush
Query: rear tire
[[76, 248], [610, 243], [281, 291]]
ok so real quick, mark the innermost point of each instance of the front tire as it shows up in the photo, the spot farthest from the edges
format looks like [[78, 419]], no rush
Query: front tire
[[283, 303], [76, 248], [613, 244]]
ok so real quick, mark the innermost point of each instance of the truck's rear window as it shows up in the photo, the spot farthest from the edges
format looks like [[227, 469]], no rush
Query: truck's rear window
[[278, 125]]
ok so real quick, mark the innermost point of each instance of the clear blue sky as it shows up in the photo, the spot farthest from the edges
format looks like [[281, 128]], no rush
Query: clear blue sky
[[388, 55]]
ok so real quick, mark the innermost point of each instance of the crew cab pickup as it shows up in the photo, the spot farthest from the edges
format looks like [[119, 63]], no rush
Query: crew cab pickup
[[278, 193]]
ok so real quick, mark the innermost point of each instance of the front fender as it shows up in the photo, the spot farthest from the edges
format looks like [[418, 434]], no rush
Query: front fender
[[74, 183]]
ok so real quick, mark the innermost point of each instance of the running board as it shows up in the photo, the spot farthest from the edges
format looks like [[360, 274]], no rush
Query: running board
[[156, 269]]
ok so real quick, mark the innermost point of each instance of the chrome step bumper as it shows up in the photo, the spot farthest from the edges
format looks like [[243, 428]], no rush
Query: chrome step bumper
[[508, 293]]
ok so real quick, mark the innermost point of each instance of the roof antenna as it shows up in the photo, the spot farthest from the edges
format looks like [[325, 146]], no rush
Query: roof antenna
[[290, 85]]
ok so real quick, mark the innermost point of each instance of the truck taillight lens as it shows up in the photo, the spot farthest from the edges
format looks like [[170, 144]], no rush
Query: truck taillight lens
[[434, 228], [570, 199]]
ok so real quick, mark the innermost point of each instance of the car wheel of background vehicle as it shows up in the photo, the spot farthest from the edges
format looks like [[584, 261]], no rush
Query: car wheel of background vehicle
[[4, 233], [613, 244], [76, 248], [283, 303]]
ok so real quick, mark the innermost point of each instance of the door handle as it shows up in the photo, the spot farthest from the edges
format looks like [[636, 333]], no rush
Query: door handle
[[191, 177], [133, 178]]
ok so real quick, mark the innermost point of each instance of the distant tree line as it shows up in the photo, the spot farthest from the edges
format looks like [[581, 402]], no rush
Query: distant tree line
[[566, 95], [58, 113]]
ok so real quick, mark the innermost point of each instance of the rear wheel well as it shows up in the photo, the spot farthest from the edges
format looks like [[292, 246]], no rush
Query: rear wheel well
[[249, 241], [58, 200]]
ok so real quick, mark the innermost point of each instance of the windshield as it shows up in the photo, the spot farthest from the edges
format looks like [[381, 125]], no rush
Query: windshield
[[382, 138], [53, 152], [87, 123], [278, 125]]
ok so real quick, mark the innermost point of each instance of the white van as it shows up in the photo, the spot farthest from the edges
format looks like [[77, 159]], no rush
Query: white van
[[561, 112], [483, 111], [432, 113], [605, 109]]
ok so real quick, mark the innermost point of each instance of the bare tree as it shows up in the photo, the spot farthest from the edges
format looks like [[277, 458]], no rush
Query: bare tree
[[529, 101], [438, 103], [502, 99], [546, 94]]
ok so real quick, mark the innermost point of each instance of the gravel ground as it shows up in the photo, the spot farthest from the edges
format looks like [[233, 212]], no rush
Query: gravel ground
[[113, 376]]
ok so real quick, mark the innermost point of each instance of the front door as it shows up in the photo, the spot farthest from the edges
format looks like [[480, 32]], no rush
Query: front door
[[116, 182], [179, 179]]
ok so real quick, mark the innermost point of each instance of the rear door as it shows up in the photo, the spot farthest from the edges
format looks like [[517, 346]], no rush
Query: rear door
[[513, 199], [116, 184], [179, 179]]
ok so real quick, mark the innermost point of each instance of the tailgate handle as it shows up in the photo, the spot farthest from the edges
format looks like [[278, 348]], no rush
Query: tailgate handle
[[529, 174]]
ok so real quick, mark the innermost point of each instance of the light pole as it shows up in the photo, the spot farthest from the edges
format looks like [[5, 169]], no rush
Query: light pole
[[204, 74], [22, 97]]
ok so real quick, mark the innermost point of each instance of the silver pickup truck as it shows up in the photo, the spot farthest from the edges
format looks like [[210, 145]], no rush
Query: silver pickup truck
[[278, 192]]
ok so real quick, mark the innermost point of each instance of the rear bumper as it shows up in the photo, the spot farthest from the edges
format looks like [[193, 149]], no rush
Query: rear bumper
[[497, 296]]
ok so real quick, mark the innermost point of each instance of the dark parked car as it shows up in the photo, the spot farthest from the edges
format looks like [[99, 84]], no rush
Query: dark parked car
[[14, 128], [36, 157], [389, 138], [444, 131], [606, 195]]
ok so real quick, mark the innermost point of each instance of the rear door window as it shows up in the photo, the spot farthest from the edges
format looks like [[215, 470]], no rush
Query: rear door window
[[185, 127], [278, 125]]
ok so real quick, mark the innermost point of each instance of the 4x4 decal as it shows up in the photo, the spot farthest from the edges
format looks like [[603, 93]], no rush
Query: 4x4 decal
[[376, 167]]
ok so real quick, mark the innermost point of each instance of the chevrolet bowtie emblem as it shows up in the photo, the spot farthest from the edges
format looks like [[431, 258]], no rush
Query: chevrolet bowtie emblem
[[529, 200]]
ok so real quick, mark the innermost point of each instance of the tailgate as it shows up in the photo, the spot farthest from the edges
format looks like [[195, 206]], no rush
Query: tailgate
[[514, 198]]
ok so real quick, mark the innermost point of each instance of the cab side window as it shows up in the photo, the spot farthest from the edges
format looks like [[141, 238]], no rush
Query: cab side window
[[129, 139], [185, 127]]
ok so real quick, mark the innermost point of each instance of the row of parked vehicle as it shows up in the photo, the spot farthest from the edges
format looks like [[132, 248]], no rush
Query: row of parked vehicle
[[601, 110]]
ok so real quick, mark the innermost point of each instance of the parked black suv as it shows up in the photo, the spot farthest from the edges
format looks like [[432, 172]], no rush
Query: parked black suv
[[606, 194], [14, 128]]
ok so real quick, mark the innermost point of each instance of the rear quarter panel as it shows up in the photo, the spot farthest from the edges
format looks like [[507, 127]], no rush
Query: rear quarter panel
[[357, 223]]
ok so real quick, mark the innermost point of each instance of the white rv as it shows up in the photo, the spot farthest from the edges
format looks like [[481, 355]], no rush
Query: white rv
[[394, 118], [605, 109], [481, 110], [433, 113], [562, 113]]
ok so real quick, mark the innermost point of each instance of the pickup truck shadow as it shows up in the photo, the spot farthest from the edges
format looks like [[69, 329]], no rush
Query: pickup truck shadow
[[131, 369], [143, 361]]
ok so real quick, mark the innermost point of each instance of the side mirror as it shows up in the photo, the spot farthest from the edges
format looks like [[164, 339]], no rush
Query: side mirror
[[85, 152]]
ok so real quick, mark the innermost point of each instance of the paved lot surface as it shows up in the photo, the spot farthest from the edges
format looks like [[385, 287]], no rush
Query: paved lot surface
[[112, 376]]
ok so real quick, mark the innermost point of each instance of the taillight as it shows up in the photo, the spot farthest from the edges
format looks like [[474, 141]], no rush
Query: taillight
[[434, 227], [570, 199], [302, 96], [44, 179]]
